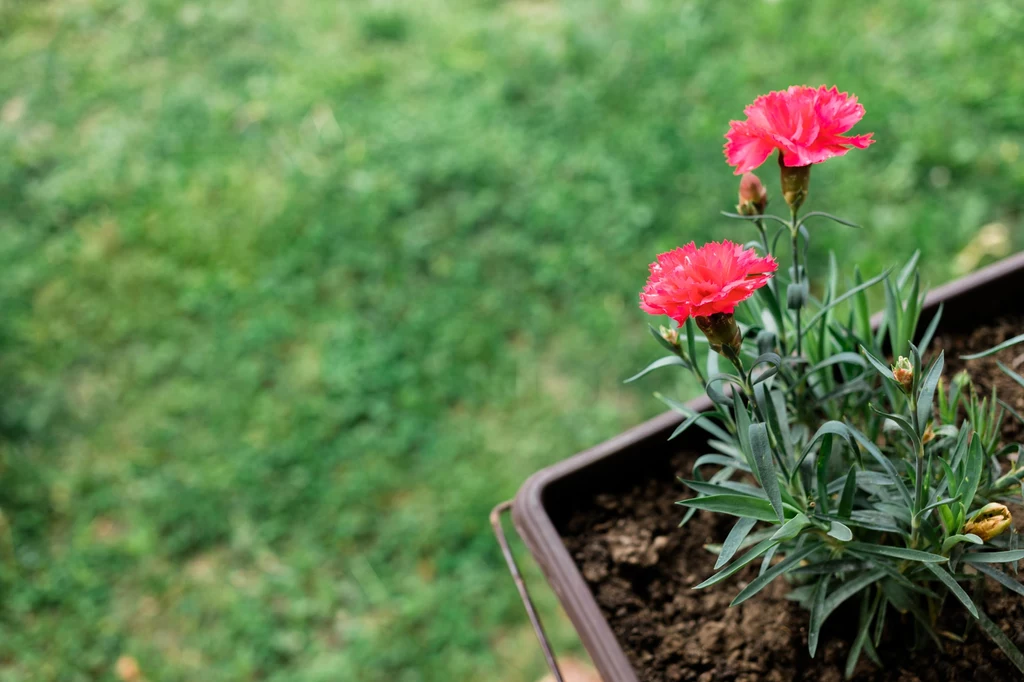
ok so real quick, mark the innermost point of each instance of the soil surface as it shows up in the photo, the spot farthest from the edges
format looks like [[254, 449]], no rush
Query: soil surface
[[641, 567], [985, 372]]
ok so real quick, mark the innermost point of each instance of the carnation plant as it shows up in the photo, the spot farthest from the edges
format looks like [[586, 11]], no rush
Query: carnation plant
[[860, 479]]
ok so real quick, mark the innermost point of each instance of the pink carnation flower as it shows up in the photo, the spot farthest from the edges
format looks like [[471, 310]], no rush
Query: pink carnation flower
[[701, 282], [806, 124]]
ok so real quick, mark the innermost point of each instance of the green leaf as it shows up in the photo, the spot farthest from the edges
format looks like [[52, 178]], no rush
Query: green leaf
[[1000, 638], [743, 428], [736, 505], [892, 319], [926, 396], [839, 299], [950, 582], [821, 473], [724, 488], [929, 333], [762, 581], [754, 552], [867, 612], [1006, 581], [994, 349], [937, 503], [882, 460], [732, 543], [667, 361], [861, 310], [790, 529], [904, 425], [765, 216], [880, 366], [822, 214], [835, 428], [898, 553], [840, 532], [1011, 555], [691, 340], [909, 270], [849, 490], [766, 466], [1010, 373], [975, 467], [850, 588], [845, 358], [685, 410], [817, 613], [720, 460], [903, 602]]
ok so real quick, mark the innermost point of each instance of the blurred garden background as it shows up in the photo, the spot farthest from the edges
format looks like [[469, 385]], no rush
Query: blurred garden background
[[292, 292]]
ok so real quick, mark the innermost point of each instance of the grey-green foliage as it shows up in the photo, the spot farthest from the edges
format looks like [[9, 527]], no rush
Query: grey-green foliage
[[874, 487]]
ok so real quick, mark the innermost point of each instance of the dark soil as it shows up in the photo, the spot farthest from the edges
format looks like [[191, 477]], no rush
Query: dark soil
[[985, 372], [641, 567]]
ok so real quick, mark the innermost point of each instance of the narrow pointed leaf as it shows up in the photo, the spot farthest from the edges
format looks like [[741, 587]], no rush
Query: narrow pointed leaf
[[732, 543], [753, 553], [762, 581], [666, 361], [995, 349], [766, 467], [1000, 638], [817, 617], [842, 297], [946, 579], [1011, 555], [736, 505], [849, 490], [1006, 581], [900, 553], [926, 397]]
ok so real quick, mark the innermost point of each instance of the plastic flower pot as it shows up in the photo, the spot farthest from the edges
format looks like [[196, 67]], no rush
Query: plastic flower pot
[[544, 503]]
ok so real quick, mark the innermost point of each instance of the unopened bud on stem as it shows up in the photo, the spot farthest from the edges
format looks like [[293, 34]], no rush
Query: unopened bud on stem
[[989, 521], [795, 183], [903, 371], [753, 195], [670, 335], [721, 330]]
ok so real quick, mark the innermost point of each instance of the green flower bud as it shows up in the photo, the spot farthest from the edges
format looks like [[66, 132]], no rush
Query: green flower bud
[[721, 330], [795, 183]]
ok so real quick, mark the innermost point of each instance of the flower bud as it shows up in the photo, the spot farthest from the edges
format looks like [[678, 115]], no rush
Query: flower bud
[[753, 195], [903, 371], [795, 183], [962, 379], [989, 521], [929, 434], [670, 335], [721, 330]]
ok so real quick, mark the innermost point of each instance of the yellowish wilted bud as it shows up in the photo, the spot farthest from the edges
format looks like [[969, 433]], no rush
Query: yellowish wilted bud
[[989, 521]]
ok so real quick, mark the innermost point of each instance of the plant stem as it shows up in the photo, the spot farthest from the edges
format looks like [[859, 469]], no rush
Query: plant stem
[[794, 233]]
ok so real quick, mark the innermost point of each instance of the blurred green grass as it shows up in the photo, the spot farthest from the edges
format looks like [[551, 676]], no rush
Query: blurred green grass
[[292, 293]]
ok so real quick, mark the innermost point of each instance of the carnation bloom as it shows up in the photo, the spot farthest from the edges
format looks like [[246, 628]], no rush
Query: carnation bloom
[[703, 282], [805, 124]]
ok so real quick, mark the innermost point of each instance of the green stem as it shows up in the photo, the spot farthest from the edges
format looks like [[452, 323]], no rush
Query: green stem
[[915, 522], [794, 233]]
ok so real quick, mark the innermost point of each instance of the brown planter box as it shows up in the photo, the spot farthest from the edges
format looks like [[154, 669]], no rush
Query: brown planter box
[[545, 501]]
